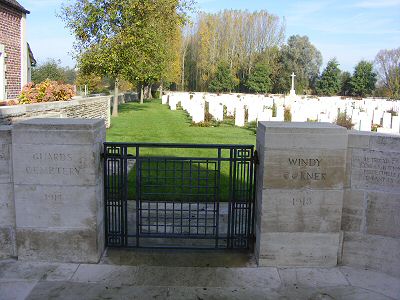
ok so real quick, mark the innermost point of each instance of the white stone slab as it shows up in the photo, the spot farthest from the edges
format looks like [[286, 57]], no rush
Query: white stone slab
[[301, 210], [65, 207], [312, 277], [56, 164], [387, 120], [239, 116], [298, 249]]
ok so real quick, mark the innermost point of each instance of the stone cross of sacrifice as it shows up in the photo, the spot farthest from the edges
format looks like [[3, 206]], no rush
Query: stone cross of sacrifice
[[293, 76]]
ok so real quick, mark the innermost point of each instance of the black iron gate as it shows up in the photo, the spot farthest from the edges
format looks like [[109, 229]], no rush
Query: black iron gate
[[179, 195]]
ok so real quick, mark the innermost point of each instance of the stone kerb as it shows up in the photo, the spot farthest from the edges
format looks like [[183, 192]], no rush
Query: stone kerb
[[58, 189], [299, 193], [7, 210], [371, 208]]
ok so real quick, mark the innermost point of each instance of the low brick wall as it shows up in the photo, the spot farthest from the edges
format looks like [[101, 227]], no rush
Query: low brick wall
[[84, 108], [371, 204]]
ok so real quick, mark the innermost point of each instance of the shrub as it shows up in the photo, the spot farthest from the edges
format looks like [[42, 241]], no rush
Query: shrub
[[287, 115], [392, 112], [45, 91], [344, 121], [375, 127], [274, 110]]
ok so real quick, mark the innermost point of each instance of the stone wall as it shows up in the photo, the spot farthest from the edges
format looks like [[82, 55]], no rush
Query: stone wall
[[7, 210], [85, 108], [125, 98], [371, 208]]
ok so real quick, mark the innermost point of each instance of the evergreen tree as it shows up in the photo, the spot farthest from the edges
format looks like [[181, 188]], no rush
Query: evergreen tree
[[259, 81], [329, 82], [223, 80], [345, 83], [363, 80]]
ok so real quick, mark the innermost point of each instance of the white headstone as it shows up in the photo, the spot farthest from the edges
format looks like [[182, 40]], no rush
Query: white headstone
[[365, 121], [387, 120], [396, 124], [239, 115], [280, 113]]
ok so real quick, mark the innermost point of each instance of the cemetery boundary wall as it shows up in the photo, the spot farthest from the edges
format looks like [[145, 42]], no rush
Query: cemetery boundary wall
[[325, 195], [84, 108]]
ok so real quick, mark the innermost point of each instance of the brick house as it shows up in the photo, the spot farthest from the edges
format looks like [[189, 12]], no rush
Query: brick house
[[16, 58]]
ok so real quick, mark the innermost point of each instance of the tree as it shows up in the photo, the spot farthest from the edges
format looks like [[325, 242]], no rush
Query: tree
[[302, 58], [241, 39], [387, 63], [125, 39], [50, 69], [329, 82], [364, 79], [260, 81], [223, 80], [94, 83], [345, 84]]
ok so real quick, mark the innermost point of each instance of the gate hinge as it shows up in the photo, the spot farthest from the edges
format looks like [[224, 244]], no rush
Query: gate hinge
[[255, 158]]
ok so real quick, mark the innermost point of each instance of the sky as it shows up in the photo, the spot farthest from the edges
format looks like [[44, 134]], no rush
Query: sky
[[349, 30]]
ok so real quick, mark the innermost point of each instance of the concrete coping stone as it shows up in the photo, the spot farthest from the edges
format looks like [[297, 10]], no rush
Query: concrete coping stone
[[302, 127], [43, 106], [61, 124], [372, 134]]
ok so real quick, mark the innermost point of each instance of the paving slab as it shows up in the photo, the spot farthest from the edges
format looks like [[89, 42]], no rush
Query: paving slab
[[16, 290], [40, 280], [23, 270], [312, 277], [374, 281], [75, 290], [329, 293]]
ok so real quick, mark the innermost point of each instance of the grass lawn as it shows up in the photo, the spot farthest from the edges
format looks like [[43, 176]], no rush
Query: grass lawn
[[154, 122]]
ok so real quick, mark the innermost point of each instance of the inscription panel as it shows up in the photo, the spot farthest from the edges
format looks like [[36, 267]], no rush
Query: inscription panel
[[301, 211], [65, 207], [382, 214], [320, 169], [376, 170], [55, 164]]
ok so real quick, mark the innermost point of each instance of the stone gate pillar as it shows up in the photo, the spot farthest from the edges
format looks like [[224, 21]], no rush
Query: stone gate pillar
[[7, 212], [58, 189], [299, 193]]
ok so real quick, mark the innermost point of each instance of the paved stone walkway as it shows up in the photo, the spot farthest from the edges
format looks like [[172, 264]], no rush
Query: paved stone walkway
[[35, 280]]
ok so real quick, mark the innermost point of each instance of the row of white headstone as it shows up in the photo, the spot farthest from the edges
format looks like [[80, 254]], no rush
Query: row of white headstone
[[364, 113]]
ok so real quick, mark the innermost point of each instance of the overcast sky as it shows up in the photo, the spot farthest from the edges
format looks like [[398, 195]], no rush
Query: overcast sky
[[348, 30]]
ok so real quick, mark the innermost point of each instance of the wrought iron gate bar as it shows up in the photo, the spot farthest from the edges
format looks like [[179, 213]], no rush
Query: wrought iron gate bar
[[179, 200]]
